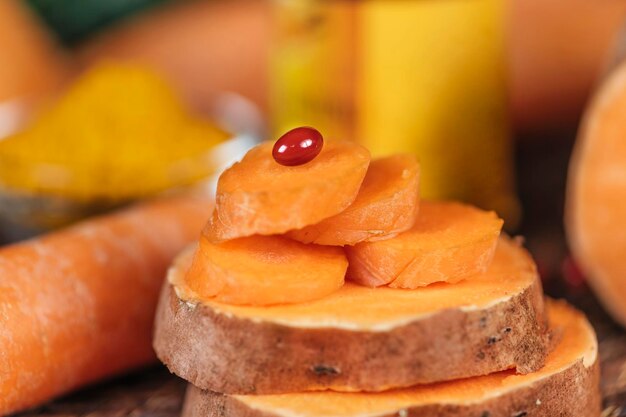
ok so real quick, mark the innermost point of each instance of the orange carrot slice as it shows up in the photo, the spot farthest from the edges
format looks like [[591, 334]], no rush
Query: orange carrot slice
[[449, 242], [259, 196], [387, 204], [265, 270]]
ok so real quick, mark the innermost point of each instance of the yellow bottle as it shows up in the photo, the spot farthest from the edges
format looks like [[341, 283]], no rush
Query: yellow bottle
[[419, 76]]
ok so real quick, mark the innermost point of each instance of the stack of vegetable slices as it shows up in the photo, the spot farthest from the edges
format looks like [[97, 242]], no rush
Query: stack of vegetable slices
[[328, 289]]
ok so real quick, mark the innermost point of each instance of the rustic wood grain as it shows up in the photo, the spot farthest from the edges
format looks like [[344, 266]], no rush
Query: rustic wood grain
[[150, 393]]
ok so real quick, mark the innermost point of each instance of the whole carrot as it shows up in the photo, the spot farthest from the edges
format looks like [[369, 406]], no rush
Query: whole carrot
[[77, 305]]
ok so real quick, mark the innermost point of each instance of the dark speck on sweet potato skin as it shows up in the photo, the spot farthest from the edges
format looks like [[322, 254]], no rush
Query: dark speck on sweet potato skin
[[323, 370]]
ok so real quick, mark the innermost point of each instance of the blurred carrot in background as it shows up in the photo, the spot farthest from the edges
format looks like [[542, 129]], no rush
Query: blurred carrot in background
[[203, 47], [31, 63], [557, 51], [77, 305]]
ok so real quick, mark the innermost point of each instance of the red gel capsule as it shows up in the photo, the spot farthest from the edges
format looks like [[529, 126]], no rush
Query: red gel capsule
[[298, 146]]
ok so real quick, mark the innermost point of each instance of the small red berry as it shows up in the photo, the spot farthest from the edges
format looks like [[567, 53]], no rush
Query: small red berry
[[298, 146]]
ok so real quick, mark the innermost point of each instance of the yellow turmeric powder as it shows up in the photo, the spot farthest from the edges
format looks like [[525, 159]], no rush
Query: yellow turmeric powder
[[119, 132]]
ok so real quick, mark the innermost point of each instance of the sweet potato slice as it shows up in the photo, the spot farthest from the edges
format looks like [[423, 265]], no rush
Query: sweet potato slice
[[596, 196], [264, 270], [259, 196], [567, 386], [387, 204], [358, 338], [448, 243]]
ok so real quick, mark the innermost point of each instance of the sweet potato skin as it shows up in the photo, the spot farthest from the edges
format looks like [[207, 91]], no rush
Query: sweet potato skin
[[570, 393], [229, 354]]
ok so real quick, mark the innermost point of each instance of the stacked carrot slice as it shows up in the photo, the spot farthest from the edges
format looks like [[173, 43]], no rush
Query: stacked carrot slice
[[329, 289]]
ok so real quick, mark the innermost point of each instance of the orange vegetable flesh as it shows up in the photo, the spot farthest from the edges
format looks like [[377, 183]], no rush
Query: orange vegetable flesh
[[357, 307], [387, 204], [259, 196], [194, 33], [596, 196], [31, 72], [265, 270], [578, 344], [449, 242], [77, 305]]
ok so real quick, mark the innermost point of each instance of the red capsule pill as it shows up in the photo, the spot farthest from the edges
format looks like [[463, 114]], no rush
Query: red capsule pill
[[298, 146]]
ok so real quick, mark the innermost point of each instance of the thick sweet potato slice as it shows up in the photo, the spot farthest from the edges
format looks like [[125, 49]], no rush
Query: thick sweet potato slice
[[567, 386], [448, 243], [358, 338], [259, 196], [264, 270], [596, 196], [387, 204]]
